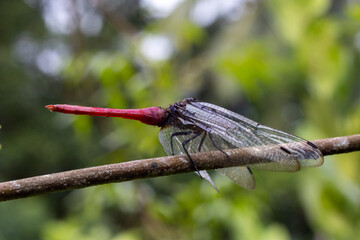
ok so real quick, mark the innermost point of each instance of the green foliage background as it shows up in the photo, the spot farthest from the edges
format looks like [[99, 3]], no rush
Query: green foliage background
[[293, 65]]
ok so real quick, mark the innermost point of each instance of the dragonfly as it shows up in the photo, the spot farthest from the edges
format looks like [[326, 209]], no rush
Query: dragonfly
[[191, 126]]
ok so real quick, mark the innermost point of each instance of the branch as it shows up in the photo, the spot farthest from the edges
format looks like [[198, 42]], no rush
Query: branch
[[156, 167]]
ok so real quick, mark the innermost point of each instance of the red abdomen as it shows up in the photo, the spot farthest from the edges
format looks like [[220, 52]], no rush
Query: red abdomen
[[150, 116]]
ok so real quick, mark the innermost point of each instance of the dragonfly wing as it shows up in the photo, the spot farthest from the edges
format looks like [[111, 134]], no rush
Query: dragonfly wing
[[240, 131], [278, 161], [304, 151], [166, 140], [204, 174], [242, 176]]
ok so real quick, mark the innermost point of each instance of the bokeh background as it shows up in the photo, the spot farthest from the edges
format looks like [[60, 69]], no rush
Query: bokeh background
[[293, 65]]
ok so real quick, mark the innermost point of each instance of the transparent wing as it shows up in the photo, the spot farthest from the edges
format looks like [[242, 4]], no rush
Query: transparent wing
[[240, 131], [241, 175]]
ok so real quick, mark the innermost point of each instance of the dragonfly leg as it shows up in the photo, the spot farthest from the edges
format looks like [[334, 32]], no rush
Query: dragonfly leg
[[174, 135], [201, 142], [217, 146], [187, 153]]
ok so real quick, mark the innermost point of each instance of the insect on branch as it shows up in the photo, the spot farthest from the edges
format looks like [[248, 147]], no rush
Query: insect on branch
[[155, 167]]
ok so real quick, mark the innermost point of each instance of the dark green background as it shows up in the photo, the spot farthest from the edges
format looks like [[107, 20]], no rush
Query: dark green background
[[292, 65]]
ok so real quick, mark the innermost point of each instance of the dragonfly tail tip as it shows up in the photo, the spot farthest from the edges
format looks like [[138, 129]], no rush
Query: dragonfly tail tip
[[50, 107]]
